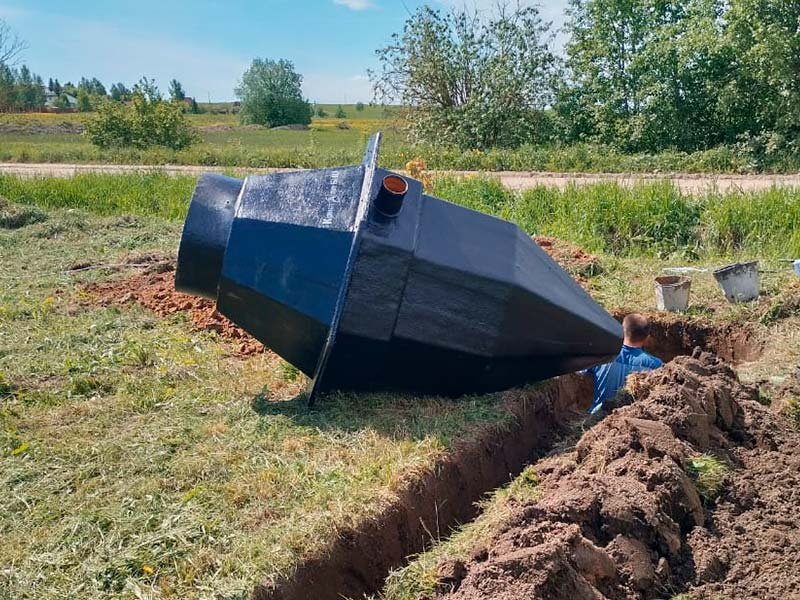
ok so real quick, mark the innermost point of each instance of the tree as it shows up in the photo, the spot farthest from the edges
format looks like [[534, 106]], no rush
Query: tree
[[63, 102], [471, 80], [11, 45], [28, 90], [120, 93], [147, 120], [321, 112], [92, 86], [643, 74], [176, 92], [195, 109], [359, 106], [7, 88], [84, 101], [271, 95], [762, 99], [340, 114]]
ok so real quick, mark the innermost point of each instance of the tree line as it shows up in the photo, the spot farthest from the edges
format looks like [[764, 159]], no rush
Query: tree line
[[23, 91], [641, 75]]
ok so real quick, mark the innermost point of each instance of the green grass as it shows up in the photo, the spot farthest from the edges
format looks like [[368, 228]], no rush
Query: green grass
[[793, 411], [137, 454], [419, 577], [225, 143], [145, 194], [645, 220], [708, 473], [140, 458]]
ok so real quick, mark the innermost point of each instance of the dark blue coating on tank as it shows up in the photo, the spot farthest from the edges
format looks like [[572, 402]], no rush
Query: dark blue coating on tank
[[435, 299]]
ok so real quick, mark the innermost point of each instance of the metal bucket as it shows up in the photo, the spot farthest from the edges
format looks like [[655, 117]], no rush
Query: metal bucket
[[672, 293], [739, 281]]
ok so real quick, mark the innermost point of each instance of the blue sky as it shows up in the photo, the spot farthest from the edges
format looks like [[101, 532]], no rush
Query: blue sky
[[208, 44]]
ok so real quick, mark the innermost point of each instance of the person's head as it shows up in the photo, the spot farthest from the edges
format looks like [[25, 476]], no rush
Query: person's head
[[636, 329]]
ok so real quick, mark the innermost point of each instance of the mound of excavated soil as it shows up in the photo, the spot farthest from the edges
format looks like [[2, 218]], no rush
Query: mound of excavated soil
[[156, 291], [621, 516], [577, 262]]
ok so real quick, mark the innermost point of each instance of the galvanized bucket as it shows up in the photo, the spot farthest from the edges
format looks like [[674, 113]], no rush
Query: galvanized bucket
[[672, 293], [739, 281]]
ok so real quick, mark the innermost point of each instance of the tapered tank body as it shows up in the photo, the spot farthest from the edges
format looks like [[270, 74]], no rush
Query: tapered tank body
[[365, 283]]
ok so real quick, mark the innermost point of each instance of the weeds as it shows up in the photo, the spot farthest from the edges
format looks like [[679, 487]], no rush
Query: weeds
[[646, 219], [146, 194], [708, 473], [13, 216], [793, 411]]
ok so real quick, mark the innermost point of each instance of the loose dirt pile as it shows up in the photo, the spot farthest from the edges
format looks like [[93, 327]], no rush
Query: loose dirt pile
[[621, 517], [155, 290], [578, 263]]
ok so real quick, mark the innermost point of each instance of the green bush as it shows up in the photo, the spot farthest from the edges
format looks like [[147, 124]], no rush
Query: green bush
[[144, 122]]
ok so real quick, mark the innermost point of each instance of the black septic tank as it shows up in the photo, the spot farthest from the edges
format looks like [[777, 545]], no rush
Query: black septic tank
[[363, 282]]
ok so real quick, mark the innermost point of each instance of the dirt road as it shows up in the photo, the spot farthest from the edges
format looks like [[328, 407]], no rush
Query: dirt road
[[518, 180]]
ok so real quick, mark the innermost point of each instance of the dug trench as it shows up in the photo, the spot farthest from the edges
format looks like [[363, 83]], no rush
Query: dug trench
[[430, 505], [691, 489]]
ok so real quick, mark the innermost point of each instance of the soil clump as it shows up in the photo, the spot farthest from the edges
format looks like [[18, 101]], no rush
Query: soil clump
[[155, 290], [622, 517], [577, 262]]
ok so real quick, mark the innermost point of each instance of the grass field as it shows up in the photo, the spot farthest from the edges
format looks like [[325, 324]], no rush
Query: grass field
[[648, 219], [332, 142], [143, 459], [140, 458]]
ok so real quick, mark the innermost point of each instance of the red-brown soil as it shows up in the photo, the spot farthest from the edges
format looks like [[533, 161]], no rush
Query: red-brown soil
[[577, 262], [621, 517], [155, 290]]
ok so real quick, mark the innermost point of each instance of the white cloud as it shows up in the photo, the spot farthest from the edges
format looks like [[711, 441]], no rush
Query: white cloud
[[355, 4]]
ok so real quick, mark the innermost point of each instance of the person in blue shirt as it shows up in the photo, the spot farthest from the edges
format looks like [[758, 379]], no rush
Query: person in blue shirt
[[610, 378]]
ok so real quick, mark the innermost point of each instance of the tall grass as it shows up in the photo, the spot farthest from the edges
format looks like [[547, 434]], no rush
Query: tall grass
[[653, 219], [648, 219], [145, 194], [767, 222]]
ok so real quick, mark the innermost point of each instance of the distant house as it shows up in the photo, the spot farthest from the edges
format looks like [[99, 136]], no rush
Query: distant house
[[51, 100]]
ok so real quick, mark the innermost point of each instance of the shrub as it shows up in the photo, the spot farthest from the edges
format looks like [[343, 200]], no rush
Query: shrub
[[340, 114], [144, 122]]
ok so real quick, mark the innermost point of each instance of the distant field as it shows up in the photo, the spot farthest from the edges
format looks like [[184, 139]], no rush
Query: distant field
[[56, 138]]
